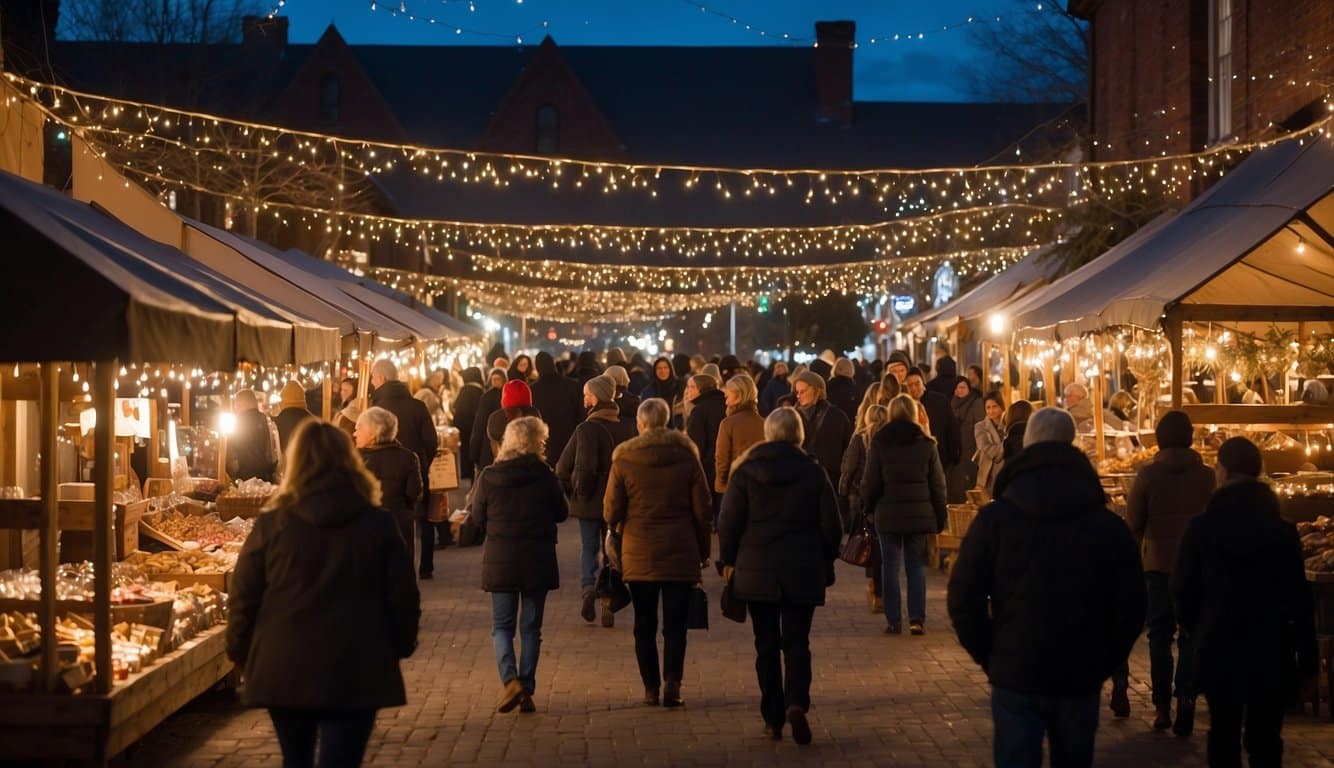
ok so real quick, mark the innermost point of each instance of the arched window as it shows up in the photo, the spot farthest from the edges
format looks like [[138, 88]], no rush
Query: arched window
[[548, 129], [330, 98]]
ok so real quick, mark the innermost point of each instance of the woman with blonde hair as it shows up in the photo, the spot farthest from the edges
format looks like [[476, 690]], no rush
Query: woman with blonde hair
[[743, 427], [872, 418], [322, 560], [904, 483], [518, 502]]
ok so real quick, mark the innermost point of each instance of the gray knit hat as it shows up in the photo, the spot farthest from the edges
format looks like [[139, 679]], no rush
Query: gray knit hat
[[617, 374], [602, 388]]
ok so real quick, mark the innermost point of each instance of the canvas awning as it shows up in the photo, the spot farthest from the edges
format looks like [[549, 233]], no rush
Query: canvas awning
[[1026, 275], [78, 289], [1235, 246]]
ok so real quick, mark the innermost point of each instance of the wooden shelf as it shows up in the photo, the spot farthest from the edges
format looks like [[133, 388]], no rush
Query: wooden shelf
[[1270, 417]]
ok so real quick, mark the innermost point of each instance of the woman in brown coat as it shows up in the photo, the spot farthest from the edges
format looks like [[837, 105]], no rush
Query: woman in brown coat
[[658, 498], [743, 427]]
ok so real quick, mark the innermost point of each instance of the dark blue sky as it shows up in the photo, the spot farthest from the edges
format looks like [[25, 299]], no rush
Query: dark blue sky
[[930, 69]]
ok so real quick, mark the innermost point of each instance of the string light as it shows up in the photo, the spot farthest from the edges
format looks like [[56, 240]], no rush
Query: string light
[[401, 10]]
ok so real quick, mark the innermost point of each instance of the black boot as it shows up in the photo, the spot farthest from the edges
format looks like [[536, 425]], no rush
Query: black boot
[[1120, 701], [1163, 719], [1185, 724]]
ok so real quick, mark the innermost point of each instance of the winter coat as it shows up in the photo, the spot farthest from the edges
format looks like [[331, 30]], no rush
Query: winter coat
[[828, 431], [742, 428], [962, 476], [585, 464], [416, 428], [944, 427], [518, 503], [628, 405], [947, 375], [288, 419], [465, 413], [990, 455], [1240, 590], [249, 450], [323, 604], [499, 420], [561, 402], [773, 390], [844, 393], [850, 476], [903, 482], [1167, 493], [779, 527], [400, 484], [478, 443], [1014, 440], [1082, 413], [1047, 593], [703, 424], [658, 496]]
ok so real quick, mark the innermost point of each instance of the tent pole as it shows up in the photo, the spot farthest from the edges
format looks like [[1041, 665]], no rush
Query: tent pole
[[1006, 388], [1172, 325], [49, 378], [104, 401], [1099, 428]]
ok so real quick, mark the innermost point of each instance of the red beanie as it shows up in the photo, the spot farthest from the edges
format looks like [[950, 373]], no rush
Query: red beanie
[[516, 394]]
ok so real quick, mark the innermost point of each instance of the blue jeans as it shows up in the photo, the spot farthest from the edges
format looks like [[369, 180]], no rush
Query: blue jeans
[[342, 735], [1162, 623], [908, 550], [590, 548], [528, 607], [1021, 720]]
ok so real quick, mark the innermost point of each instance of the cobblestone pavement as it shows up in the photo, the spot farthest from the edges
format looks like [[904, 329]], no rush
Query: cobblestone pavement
[[877, 699]]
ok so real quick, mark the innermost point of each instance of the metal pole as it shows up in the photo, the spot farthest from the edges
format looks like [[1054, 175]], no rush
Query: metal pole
[[104, 402], [732, 328]]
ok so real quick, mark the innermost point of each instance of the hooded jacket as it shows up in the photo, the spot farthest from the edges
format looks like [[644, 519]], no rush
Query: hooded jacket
[[779, 527], [465, 413], [416, 428], [658, 496], [706, 418], [585, 464], [560, 401], [518, 502], [1047, 593], [1167, 493], [1240, 590], [947, 371], [903, 484], [323, 604]]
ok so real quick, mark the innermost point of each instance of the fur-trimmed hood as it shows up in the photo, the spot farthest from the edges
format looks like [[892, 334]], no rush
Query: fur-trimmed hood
[[657, 446]]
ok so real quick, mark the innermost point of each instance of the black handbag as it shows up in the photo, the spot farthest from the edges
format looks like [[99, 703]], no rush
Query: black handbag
[[733, 607], [610, 585], [697, 613]]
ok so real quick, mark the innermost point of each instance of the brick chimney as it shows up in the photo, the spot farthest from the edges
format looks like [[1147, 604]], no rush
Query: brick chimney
[[263, 33], [834, 43]]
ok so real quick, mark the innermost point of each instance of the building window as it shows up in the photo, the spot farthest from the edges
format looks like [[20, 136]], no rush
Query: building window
[[1220, 69], [330, 98], [548, 129]]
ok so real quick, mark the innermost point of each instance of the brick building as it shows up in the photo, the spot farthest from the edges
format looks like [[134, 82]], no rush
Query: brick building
[[1177, 76]]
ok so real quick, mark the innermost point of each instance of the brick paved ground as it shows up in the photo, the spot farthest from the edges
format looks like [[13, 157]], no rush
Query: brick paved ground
[[877, 699]]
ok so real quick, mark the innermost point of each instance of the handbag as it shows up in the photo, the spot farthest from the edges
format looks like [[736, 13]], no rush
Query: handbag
[[858, 549], [734, 608], [610, 585], [611, 549], [697, 611]]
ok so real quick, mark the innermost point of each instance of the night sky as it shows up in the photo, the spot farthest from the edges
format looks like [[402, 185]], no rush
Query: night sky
[[933, 68]]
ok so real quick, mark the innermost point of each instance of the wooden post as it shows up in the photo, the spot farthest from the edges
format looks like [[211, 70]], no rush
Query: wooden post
[[1007, 390], [226, 407], [104, 401], [1172, 325], [1048, 381], [185, 403], [1099, 428], [50, 532], [326, 395]]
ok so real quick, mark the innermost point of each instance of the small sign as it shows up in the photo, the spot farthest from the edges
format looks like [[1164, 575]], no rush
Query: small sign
[[904, 305]]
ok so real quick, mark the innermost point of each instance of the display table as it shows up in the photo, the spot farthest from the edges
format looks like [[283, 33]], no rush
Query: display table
[[94, 728]]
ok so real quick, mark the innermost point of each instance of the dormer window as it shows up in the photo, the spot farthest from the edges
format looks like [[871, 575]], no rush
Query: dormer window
[[330, 98], [548, 130]]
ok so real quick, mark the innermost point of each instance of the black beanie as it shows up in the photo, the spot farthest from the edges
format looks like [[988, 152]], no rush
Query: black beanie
[[1174, 430]]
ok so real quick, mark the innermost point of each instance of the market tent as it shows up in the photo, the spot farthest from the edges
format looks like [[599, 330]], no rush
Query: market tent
[[242, 260], [1234, 246], [76, 291], [1031, 272]]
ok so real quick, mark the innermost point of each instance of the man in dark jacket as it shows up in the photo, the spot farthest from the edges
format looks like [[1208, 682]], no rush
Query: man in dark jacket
[[706, 416], [626, 401], [1241, 554], [559, 401], [774, 388], [479, 443], [465, 412], [250, 448], [842, 389], [944, 427], [416, 432], [1047, 595], [947, 372], [1168, 493]]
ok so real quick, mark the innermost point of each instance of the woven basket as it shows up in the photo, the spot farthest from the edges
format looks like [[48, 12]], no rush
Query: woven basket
[[245, 507], [960, 517]]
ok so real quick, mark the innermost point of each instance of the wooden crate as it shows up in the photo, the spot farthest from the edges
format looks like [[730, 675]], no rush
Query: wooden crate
[[76, 525]]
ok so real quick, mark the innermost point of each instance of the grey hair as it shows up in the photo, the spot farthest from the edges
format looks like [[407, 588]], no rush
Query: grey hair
[[1075, 388], [784, 425], [382, 423], [523, 436], [430, 399], [653, 413], [1049, 425], [386, 368]]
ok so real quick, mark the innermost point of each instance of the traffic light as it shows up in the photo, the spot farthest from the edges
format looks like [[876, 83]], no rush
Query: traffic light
[[762, 303], [881, 326]]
